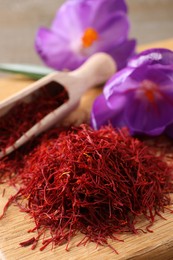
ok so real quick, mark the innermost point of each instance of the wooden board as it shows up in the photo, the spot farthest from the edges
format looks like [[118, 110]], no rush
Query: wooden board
[[13, 227]]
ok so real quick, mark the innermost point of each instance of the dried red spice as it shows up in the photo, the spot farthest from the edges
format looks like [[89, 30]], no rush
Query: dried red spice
[[25, 114], [94, 182], [28, 242]]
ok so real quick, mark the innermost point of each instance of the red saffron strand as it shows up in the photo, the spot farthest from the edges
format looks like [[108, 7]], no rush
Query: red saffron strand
[[94, 182], [3, 193], [25, 114], [7, 205], [28, 242]]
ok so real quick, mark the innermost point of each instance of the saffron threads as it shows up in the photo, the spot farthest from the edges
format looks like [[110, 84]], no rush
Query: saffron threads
[[3, 193], [24, 115], [28, 242], [95, 182]]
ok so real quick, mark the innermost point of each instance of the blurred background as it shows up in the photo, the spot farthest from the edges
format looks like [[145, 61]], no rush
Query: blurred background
[[151, 20]]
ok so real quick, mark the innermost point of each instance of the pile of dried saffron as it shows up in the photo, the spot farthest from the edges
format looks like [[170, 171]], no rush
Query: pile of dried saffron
[[24, 115], [94, 182]]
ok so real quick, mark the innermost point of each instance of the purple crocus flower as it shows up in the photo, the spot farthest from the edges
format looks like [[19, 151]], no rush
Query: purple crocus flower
[[82, 28], [140, 96]]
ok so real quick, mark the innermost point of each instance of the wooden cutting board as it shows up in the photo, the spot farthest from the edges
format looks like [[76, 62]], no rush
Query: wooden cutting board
[[13, 227]]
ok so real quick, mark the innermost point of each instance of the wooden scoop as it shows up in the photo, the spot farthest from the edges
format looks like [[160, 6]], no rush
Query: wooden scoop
[[96, 70]]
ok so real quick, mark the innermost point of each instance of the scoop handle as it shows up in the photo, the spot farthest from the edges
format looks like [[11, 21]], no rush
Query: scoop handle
[[96, 70]]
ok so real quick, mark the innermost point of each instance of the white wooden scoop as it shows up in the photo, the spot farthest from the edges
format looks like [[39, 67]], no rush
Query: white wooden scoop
[[96, 70]]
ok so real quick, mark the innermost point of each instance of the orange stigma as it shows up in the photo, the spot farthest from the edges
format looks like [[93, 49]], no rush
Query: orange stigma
[[149, 88], [149, 93], [89, 37]]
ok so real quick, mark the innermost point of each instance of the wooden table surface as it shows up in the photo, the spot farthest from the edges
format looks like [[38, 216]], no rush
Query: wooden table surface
[[13, 227]]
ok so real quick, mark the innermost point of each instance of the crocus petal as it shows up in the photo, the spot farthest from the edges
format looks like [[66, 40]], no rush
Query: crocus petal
[[73, 17], [141, 96], [152, 56], [147, 118], [129, 79], [107, 19], [84, 13], [140, 114], [115, 83], [102, 115], [112, 29], [99, 10], [55, 54], [123, 52], [111, 7], [120, 5], [120, 92], [158, 75]]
